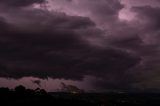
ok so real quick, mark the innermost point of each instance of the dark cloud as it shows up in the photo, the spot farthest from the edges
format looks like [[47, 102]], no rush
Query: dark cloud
[[19, 3], [104, 10], [40, 43], [147, 46], [149, 16], [141, 37], [131, 42], [148, 21], [97, 10], [55, 45]]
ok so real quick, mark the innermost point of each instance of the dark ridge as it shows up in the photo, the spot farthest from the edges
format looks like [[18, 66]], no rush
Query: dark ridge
[[22, 96]]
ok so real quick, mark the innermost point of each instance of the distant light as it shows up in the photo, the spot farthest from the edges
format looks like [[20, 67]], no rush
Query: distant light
[[73, 92]]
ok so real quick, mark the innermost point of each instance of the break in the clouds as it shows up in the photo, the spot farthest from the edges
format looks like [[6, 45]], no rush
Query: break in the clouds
[[72, 39]]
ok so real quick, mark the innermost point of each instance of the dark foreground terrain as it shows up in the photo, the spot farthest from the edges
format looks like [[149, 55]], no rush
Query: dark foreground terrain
[[22, 96]]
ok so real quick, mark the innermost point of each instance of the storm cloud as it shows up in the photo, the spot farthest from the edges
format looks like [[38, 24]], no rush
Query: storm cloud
[[58, 49], [19, 3], [77, 38]]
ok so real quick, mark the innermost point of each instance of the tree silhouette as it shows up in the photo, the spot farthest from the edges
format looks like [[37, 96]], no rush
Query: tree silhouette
[[20, 91], [20, 88]]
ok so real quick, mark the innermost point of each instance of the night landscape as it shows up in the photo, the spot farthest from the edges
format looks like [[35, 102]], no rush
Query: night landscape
[[80, 52]]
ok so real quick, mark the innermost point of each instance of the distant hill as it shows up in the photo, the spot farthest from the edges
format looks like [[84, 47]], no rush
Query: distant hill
[[22, 96]]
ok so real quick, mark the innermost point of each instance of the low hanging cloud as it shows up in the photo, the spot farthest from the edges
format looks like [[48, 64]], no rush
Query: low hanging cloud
[[149, 15], [58, 53], [82, 38], [57, 45], [97, 10], [148, 70]]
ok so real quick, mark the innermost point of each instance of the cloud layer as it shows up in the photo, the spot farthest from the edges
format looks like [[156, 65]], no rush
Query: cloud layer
[[78, 38], [19, 3]]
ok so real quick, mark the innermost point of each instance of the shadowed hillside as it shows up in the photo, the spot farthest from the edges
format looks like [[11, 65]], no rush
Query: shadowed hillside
[[22, 96]]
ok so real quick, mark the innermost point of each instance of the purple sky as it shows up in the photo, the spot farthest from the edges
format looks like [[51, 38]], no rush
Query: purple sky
[[93, 44]]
